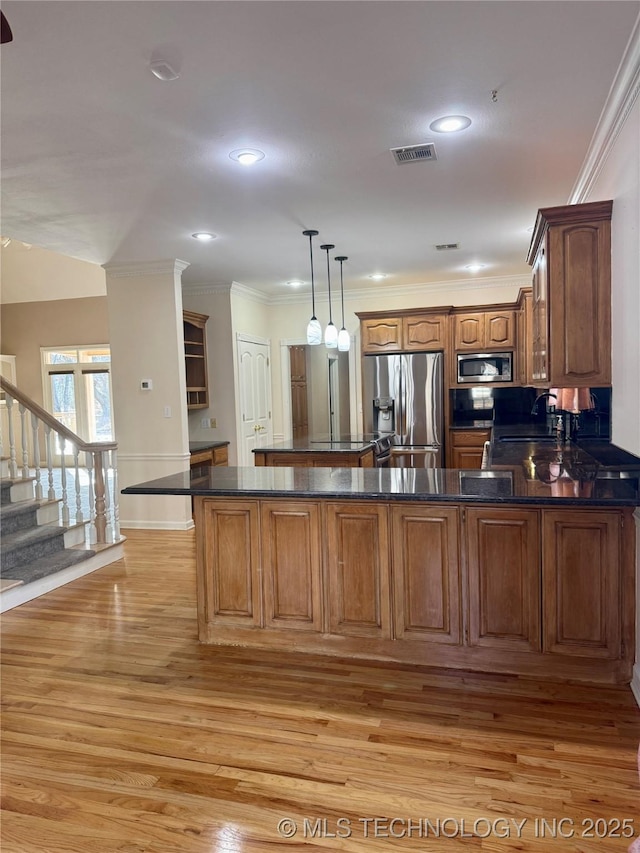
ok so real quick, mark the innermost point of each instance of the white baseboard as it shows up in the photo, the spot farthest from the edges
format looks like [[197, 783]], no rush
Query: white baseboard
[[635, 683], [157, 525], [18, 595]]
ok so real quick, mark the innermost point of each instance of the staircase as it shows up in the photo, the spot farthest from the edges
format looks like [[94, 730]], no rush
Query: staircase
[[41, 545]]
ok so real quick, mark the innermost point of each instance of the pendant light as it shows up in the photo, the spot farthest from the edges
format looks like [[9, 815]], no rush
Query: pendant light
[[314, 329], [330, 333], [344, 338]]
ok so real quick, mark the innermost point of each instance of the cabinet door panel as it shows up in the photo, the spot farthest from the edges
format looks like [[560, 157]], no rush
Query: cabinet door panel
[[504, 578], [581, 577], [383, 335], [499, 329], [358, 562], [469, 331], [424, 333], [425, 574], [231, 561], [291, 563], [469, 458]]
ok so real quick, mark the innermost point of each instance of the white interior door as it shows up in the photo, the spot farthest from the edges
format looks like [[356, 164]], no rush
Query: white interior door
[[254, 392]]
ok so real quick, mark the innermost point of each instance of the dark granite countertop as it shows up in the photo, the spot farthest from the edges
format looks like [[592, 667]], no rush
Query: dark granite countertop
[[395, 484], [473, 424], [196, 446], [320, 444]]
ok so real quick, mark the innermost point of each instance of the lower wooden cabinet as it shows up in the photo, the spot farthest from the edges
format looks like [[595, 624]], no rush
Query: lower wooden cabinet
[[291, 565], [229, 549], [358, 570], [503, 559], [426, 577], [581, 584], [518, 589], [466, 448]]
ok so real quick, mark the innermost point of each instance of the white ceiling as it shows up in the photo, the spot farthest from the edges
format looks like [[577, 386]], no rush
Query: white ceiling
[[104, 162]]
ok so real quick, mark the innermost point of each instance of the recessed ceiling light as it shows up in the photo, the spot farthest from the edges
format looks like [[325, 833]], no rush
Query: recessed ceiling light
[[163, 70], [247, 156], [295, 282], [450, 124], [475, 267], [204, 236], [377, 276]]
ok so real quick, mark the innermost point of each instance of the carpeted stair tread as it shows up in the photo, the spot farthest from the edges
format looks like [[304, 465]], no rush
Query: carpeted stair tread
[[21, 538], [49, 565]]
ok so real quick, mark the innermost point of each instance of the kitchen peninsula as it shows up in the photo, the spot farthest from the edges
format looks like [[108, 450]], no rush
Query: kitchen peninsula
[[476, 570], [342, 452]]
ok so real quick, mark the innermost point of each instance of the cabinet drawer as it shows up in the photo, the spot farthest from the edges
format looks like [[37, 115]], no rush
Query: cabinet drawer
[[201, 457], [469, 438], [220, 455]]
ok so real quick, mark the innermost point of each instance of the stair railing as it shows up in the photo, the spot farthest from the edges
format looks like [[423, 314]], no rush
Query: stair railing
[[38, 428]]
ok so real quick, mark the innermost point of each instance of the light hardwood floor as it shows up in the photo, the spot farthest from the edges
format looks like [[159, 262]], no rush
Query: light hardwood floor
[[122, 734]]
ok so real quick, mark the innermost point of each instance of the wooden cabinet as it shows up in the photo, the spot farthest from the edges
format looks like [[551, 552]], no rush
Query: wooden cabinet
[[195, 354], [571, 258], [582, 583], [210, 456], [419, 331], [503, 558], [358, 570], [490, 330], [291, 565], [229, 586], [299, 391], [466, 447], [424, 333], [381, 334], [524, 353], [426, 581]]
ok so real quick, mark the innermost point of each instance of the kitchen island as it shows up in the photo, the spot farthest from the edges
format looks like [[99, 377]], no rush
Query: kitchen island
[[471, 570]]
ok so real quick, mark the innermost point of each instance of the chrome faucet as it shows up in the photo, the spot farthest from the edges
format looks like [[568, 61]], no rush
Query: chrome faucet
[[534, 408]]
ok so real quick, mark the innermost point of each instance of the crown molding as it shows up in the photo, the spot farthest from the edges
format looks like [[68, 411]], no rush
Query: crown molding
[[250, 293], [506, 281], [620, 100], [203, 289], [170, 266]]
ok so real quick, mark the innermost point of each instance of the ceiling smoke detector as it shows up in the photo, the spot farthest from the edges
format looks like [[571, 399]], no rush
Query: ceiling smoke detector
[[441, 247], [161, 69], [414, 153]]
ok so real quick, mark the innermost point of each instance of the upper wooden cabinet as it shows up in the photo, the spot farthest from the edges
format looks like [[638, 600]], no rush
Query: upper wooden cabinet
[[195, 354], [494, 329], [571, 258], [419, 331], [524, 359], [382, 334], [426, 332]]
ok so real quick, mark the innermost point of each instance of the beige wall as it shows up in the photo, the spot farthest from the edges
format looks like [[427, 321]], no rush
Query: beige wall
[[35, 275], [620, 180], [64, 322], [217, 306]]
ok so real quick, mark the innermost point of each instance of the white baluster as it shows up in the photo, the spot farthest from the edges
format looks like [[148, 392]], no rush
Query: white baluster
[[36, 455], [92, 508], [79, 516], [116, 508], [25, 447], [63, 479], [13, 464], [107, 498], [51, 494]]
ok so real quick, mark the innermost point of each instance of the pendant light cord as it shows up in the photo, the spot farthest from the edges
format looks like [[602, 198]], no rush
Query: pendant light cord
[[329, 246], [313, 287], [342, 292]]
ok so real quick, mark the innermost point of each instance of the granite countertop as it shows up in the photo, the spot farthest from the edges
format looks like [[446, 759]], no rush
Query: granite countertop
[[443, 485], [320, 444], [196, 446], [471, 424]]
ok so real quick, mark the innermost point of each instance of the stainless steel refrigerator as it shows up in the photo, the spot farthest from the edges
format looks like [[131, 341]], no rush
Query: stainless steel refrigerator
[[403, 394]]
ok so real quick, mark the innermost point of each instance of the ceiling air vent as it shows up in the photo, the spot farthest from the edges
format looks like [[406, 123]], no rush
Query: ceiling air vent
[[441, 247], [414, 153]]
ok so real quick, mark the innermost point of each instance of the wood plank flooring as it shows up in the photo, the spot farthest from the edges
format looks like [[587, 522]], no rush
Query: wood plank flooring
[[122, 734]]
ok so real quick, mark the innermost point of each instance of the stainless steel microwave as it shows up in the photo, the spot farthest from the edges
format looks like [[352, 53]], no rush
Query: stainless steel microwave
[[476, 367]]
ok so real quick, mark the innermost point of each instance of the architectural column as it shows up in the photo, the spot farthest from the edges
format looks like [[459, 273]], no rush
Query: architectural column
[[149, 389]]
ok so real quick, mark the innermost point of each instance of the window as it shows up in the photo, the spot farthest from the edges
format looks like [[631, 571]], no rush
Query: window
[[77, 390]]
